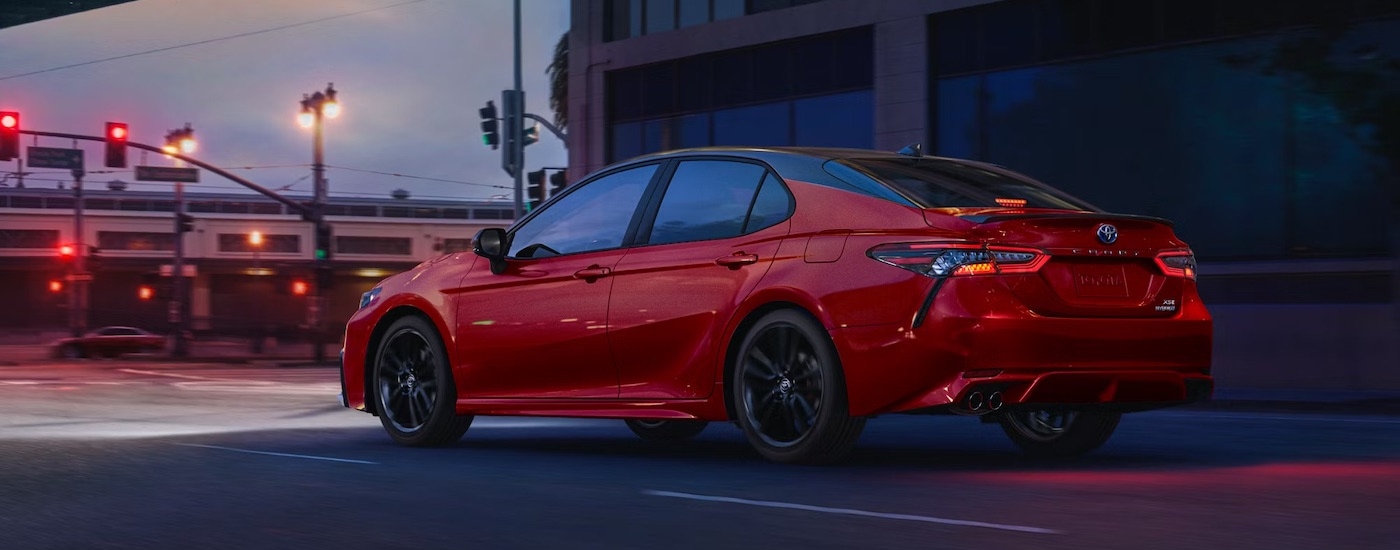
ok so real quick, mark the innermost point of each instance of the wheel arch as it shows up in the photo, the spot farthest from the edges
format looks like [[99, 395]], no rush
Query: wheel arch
[[736, 338], [377, 335]]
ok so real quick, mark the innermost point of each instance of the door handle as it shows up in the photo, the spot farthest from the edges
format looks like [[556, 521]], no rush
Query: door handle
[[737, 260], [592, 273]]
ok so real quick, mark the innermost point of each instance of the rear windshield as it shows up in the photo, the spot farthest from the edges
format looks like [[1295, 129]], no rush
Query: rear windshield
[[941, 183]]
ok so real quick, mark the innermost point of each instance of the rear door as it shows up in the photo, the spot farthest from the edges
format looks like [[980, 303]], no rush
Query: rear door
[[704, 245]]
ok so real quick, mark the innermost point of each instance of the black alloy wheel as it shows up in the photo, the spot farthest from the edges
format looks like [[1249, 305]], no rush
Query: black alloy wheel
[[790, 392], [1059, 433], [666, 430], [414, 392]]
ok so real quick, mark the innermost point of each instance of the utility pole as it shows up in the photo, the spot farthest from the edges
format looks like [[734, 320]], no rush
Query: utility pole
[[515, 124]]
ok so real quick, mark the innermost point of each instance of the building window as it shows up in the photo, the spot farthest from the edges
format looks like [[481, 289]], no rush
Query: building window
[[238, 242], [383, 246], [629, 18], [453, 246], [136, 240], [773, 94], [1249, 165], [29, 238]]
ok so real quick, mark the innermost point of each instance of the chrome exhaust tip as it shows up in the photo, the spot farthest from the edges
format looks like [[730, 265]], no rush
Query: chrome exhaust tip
[[975, 402], [994, 401]]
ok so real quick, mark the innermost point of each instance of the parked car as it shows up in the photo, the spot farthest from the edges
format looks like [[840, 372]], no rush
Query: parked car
[[796, 292], [109, 342]]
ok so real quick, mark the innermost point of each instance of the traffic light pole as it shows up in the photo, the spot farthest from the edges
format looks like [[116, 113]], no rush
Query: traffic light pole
[[514, 124], [77, 285]]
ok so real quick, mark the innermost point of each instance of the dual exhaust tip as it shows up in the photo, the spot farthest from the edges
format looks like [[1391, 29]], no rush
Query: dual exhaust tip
[[976, 402]]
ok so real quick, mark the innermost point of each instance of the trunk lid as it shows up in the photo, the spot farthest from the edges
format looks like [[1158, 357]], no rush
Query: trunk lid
[[1087, 275]]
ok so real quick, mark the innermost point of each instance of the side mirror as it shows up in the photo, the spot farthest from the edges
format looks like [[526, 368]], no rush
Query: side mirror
[[490, 243]]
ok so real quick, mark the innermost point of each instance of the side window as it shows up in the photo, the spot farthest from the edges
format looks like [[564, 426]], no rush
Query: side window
[[593, 217], [706, 199], [770, 207]]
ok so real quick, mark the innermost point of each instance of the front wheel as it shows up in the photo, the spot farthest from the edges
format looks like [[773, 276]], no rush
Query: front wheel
[[790, 394], [1059, 433], [666, 430], [414, 392]]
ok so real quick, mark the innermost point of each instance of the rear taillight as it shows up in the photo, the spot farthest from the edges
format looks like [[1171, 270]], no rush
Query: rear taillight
[[957, 260], [1178, 263]]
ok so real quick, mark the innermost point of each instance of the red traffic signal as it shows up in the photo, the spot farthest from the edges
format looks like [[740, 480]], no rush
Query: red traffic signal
[[55, 286], [116, 135], [299, 288], [9, 135], [144, 292], [67, 251]]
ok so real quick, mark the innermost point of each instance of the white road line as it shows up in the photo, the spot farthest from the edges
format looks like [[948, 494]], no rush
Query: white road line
[[853, 512], [1280, 417], [175, 375], [286, 455]]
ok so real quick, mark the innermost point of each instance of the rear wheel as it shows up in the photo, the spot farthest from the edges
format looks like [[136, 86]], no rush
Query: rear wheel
[[790, 394], [72, 351], [666, 430], [1059, 433], [414, 391]]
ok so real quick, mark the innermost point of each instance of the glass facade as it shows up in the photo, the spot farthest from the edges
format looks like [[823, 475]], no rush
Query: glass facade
[[384, 246], [1250, 164], [815, 91], [29, 238], [629, 18]]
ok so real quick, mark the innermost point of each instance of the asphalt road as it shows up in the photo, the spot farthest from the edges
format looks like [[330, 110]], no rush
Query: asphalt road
[[123, 454]]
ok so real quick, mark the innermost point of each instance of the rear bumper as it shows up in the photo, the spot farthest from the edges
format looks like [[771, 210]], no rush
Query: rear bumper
[[985, 341]]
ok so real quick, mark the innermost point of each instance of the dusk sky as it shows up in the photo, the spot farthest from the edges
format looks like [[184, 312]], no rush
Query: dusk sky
[[411, 76]]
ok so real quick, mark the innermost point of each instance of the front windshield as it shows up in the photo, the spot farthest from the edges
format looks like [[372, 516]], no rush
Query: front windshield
[[943, 183]]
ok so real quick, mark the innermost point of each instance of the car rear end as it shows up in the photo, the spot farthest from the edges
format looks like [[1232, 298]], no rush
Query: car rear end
[[1038, 299]]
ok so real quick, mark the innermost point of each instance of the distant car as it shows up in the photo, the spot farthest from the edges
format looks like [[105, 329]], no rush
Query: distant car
[[795, 292], [109, 342]]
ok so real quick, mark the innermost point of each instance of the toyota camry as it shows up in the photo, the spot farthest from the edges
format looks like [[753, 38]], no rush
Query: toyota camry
[[797, 293]]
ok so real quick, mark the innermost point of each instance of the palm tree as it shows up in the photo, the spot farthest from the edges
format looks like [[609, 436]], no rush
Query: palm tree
[[558, 72]]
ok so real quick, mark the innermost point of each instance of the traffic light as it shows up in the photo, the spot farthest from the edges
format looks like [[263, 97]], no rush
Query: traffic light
[[530, 135], [55, 286], [299, 287], [67, 253], [534, 188], [145, 292], [186, 222], [117, 134], [490, 132], [323, 241], [9, 135], [557, 181]]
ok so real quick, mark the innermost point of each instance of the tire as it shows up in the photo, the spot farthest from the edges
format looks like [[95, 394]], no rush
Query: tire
[[1059, 433], [413, 388], [789, 392], [666, 430]]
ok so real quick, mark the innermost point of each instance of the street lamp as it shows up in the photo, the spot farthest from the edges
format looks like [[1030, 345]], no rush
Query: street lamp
[[315, 108], [179, 140]]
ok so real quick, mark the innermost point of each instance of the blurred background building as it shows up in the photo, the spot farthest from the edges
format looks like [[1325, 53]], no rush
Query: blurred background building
[[19, 12], [1269, 130]]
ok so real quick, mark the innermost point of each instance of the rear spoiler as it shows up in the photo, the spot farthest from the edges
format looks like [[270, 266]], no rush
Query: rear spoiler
[[1003, 216]]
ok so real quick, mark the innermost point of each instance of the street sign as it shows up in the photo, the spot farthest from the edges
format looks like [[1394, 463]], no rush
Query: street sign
[[167, 173], [55, 157], [167, 269]]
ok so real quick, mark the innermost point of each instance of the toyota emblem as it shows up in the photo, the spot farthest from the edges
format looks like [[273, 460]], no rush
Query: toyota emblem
[[1107, 233]]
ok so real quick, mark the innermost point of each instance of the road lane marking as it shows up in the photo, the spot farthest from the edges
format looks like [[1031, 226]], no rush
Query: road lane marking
[[175, 375], [285, 455], [853, 512], [1279, 417]]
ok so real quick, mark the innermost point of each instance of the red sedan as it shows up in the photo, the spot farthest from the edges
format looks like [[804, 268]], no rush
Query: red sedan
[[796, 292], [109, 342]]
